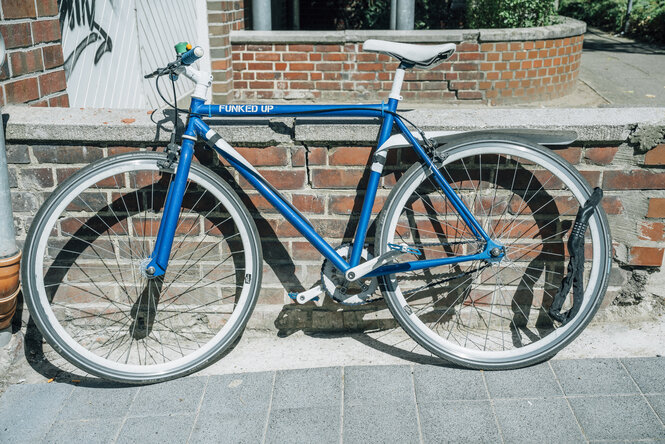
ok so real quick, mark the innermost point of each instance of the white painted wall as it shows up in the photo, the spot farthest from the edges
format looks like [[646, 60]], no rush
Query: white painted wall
[[119, 41]]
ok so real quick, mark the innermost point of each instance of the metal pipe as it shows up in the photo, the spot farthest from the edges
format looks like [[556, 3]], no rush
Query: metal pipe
[[296, 14], [261, 15], [627, 19], [393, 14], [405, 14], [8, 246]]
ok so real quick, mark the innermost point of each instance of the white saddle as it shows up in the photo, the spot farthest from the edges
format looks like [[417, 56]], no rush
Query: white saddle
[[422, 56]]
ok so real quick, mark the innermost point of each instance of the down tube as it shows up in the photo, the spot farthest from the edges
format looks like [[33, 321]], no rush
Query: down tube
[[261, 185]]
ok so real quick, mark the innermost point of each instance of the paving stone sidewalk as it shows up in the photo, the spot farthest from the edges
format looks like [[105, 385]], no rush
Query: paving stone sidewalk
[[558, 401]]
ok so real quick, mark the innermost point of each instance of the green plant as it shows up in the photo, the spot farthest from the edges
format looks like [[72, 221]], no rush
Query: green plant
[[509, 13], [604, 14], [647, 21]]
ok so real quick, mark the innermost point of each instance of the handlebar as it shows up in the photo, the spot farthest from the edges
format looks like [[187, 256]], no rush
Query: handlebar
[[186, 59]]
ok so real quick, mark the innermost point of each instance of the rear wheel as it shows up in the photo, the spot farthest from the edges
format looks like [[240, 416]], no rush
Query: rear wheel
[[84, 270], [492, 315]]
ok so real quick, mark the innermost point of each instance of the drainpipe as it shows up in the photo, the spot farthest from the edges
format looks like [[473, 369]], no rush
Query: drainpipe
[[405, 14], [10, 255], [393, 14], [296, 14], [261, 15], [629, 9]]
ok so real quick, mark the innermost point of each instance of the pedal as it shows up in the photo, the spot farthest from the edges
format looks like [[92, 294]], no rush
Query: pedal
[[313, 294], [361, 270]]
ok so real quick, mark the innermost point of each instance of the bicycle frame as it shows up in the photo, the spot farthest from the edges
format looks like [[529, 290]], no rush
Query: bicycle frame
[[196, 127]]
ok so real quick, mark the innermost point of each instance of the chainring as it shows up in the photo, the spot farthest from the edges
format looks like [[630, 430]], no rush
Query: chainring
[[362, 291]]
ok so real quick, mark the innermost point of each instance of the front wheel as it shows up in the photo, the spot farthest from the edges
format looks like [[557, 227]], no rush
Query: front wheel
[[492, 315], [84, 270]]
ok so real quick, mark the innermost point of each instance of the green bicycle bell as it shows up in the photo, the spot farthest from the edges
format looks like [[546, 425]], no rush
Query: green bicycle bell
[[182, 47]]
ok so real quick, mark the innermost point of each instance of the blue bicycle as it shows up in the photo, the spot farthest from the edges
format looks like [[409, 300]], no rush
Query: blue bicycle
[[146, 266]]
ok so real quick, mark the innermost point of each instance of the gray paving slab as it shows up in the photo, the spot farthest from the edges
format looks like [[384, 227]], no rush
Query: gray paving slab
[[97, 400], [27, 411], [314, 387], [91, 431], [658, 404], [241, 427], [617, 417], [390, 384], [380, 423], [537, 420], [458, 421], [173, 397], [304, 425], [648, 373], [436, 384], [593, 377], [156, 429], [537, 381], [246, 393]]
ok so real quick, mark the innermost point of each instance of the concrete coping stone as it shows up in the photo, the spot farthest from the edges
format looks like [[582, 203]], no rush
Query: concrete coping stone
[[117, 127], [566, 28]]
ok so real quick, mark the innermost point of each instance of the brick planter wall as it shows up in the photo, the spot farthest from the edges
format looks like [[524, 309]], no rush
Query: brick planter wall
[[321, 179], [490, 66], [32, 72], [223, 17]]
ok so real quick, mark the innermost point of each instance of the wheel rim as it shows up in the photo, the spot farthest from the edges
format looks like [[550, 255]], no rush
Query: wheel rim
[[101, 325], [476, 345]]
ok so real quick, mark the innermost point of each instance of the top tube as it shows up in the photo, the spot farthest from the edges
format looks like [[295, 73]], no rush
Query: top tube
[[245, 110]]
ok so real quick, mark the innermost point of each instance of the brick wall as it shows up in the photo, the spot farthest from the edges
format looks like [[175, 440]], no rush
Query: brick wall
[[322, 181], [223, 16], [492, 72], [33, 71]]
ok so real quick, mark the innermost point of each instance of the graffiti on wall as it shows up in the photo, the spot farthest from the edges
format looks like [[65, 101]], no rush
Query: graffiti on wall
[[81, 13]]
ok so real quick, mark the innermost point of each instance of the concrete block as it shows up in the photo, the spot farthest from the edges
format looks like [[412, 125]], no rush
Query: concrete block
[[304, 425], [458, 421], [323, 389], [229, 427], [238, 394], [181, 396], [366, 385], [103, 430], [648, 373], [381, 422], [436, 384], [657, 402], [521, 420], [157, 429], [88, 402], [531, 382], [593, 377], [617, 418]]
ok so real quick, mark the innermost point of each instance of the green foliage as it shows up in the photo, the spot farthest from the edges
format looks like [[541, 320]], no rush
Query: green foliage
[[647, 19], [603, 14], [509, 13]]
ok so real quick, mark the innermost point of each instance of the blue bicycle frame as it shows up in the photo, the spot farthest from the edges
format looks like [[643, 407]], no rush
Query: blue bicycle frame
[[196, 127]]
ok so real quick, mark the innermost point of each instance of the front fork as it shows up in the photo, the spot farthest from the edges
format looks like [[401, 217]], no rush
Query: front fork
[[159, 258]]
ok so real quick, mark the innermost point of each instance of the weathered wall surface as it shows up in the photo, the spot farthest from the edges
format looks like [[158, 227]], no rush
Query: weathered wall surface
[[33, 69], [318, 166]]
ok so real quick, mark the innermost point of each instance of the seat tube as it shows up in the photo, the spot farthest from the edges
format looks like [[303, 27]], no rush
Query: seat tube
[[164, 243], [378, 162]]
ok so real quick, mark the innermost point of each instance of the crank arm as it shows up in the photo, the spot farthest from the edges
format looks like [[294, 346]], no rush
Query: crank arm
[[359, 271], [314, 293]]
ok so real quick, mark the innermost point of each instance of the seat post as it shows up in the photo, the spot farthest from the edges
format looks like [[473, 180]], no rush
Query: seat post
[[395, 92]]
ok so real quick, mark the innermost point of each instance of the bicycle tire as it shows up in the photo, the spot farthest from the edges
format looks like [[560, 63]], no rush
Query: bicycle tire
[[460, 306], [84, 256]]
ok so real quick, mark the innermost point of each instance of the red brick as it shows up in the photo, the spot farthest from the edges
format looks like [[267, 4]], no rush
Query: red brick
[[52, 56], [633, 180], [351, 156], [328, 85], [282, 180], [328, 48], [24, 62], [52, 82], [301, 48], [601, 156], [14, 9], [301, 66], [47, 8], [656, 207], [653, 231], [304, 251], [309, 203], [259, 66], [337, 178], [21, 91], [16, 35], [571, 154], [271, 156], [655, 156], [346, 204], [220, 65], [46, 30], [294, 57], [469, 95], [646, 256], [612, 205], [267, 56]]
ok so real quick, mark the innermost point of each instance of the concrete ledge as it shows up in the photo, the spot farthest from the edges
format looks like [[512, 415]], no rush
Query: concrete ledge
[[42, 125], [568, 27]]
